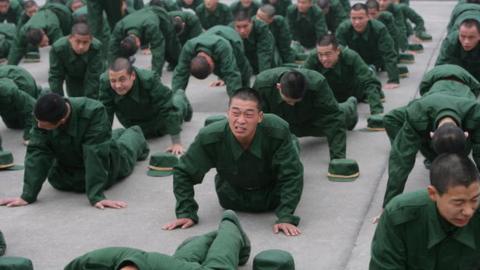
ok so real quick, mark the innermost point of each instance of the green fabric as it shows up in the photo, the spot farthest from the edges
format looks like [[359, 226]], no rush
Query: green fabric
[[374, 45], [82, 155], [22, 78], [343, 167], [3, 244], [411, 15], [7, 37], [13, 13], [448, 71], [158, 116], [192, 25], [306, 28], [375, 121], [336, 15], [162, 160], [283, 38], [281, 6], [214, 118], [318, 114], [398, 15], [346, 6], [461, 10], [273, 259], [267, 176], [96, 8], [193, 6], [410, 236], [236, 7], [409, 128], [388, 20], [6, 158], [16, 107], [104, 37], [221, 16], [453, 53], [350, 77], [81, 72], [15, 263]]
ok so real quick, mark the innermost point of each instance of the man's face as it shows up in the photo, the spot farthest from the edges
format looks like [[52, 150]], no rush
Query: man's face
[[359, 20], [4, 6], [243, 28], [44, 42], [458, 204], [30, 11], [272, 2], [304, 5], [469, 37], [328, 55], [76, 5], [243, 118], [80, 43], [383, 4], [188, 2], [121, 82], [264, 17], [211, 4], [246, 3], [373, 13]]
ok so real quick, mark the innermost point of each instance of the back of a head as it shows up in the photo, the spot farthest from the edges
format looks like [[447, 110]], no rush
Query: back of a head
[[268, 10], [449, 138], [81, 28], [450, 170], [178, 24], [29, 3], [242, 15], [293, 84], [50, 108], [327, 40], [323, 4], [199, 67], [372, 4], [128, 46], [34, 36], [120, 64], [247, 94], [360, 6], [469, 23], [82, 18]]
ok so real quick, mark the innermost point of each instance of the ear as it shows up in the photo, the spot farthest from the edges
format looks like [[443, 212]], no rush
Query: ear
[[466, 134], [260, 117], [432, 193], [279, 87], [134, 75], [431, 134]]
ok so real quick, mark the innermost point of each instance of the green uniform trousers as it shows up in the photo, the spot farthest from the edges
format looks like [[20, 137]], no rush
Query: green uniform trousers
[[95, 15]]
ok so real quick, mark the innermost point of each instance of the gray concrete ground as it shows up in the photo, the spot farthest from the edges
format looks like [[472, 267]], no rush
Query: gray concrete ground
[[336, 217]]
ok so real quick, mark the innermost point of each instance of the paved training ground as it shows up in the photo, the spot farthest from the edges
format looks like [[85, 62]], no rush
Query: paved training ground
[[336, 217]]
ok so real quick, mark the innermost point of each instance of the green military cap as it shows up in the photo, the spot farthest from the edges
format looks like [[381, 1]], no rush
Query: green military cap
[[273, 259], [343, 170], [162, 164], [402, 71], [6, 162], [15, 263], [32, 57], [214, 118], [375, 123], [415, 47], [406, 58], [448, 71]]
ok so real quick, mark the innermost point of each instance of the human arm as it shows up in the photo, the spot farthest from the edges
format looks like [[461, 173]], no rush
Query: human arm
[[389, 55], [157, 46], [229, 70], [367, 81], [56, 71], [265, 47], [95, 68], [284, 40], [114, 43], [448, 54], [19, 48], [181, 74], [320, 25], [106, 96]]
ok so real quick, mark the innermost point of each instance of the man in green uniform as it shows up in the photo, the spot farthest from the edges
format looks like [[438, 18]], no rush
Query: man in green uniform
[[370, 39], [212, 13], [191, 4], [48, 25], [281, 6], [7, 37], [448, 103], [257, 164], [124, 89], [16, 107], [466, 10], [436, 228], [334, 13], [462, 48], [281, 33], [186, 25], [248, 6], [258, 42], [219, 51], [387, 19], [410, 15], [303, 98], [22, 78], [306, 22], [76, 59], [30, 7], [73, 146], [10, 11], [346, 73], [225, 248], [113, 10]]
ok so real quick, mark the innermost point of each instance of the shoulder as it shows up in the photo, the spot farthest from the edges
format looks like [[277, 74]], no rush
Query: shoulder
[[292, 10], [274, 126], [223, 7], [215, 132], [344, 26], [60, 44], [377, 25], [314, 79], [407, 207], [350, 56], [86, 107], [269, 77], [260, 26], [200, 9]]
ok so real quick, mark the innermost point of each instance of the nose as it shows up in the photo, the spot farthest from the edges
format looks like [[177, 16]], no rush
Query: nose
[[469, 210]]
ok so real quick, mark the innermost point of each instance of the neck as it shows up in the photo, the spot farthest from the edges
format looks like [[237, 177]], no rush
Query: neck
[[446, 120]]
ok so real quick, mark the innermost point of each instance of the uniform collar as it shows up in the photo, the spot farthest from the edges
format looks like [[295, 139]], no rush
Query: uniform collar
[[237, 150], [134, 93], [307, 16], [71, 127], [450, 113]]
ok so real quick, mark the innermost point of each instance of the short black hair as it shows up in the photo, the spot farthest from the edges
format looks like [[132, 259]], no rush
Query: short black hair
[[372, 4], [323, 4], [82, 18], [178, 24], [247, 94], [469, 23], [268, 9], [50, 108], [449, 138], [199, 67], [34, 36], [81, 28], [451, 170], [327, 40], [128, 46], [293, 84], [242, 15], [120, 64], [360, 6], [29, 4]]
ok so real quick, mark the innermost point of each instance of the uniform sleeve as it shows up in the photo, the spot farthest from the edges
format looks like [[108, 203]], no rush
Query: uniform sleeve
[[447, 51], [56, 72], [161, 97], [474, 135], [389, 56], [320, 26], [107, 98], [157, 47], [291, 21], [341, 34], [368, 82], [28, 114], [284, 41], [95, 68], [228, 67], [54, 33], [311, 62], [19, 49], [265, 49], [114, 43], [414, 17], [181, 74], [195, 27], [340, 15]]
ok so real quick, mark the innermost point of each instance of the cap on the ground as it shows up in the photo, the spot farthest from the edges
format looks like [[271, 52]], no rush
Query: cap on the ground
[[273, 259]]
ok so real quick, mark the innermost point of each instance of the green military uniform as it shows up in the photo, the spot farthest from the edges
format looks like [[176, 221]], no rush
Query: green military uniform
[[411, 15], [192, 25], [224, 53], [83, 155], [412, 234], [104, 38], [259, 47], [317, 114], [350, 77], [193, 6], [283, 38], [409, 127], [16, 107], [388, 20], [306, 28], [13, 13], [135, 4], [336, 15], [171, 5], [281, 6], [22, 78], [221, 16], [374, 45], [399, 17], [452, 52], [158, 116], [461, 12], [237, 6], [7, 37], [112, 8], [80, 72], [346, 6], [267, 176]]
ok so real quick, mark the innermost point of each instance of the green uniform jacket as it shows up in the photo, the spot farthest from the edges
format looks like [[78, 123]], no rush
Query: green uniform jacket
[[22, 78], [306, 28], [221, 16], [157, 115], [411, 234], [374, 45], [281, 6], [388, 20], [146, 26], [8, 32], [16, 107], [222, 54], [269, 175], [452, 52], [81, 72], [445, 98], [283, 38], [259, 47], [317, 114], [350, 77], [460, 12], [44, 19], [193, 6], [192, 25], [346, 6], [13, 13], [236, 6], [67, 148], [135, 4], [172, 43], [335, 15]]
